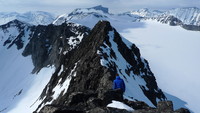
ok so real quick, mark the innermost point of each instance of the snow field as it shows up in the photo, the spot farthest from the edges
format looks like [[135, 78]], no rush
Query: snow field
[[172, 53]]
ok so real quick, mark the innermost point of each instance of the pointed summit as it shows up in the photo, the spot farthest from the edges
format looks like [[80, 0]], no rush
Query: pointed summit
[[90, 68], [100, 7], [97, 9]]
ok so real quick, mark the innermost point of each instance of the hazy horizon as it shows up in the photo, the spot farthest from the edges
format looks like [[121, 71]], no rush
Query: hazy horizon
[[115, 6]]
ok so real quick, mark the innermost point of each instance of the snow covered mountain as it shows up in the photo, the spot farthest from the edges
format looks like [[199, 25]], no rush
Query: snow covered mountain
[[15, 33], [188, 15], [146, 13], [80, 14], [90, 16], [188, 18], [32, 17]]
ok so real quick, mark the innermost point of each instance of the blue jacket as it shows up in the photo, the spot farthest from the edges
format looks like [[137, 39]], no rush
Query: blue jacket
[[119, 84]]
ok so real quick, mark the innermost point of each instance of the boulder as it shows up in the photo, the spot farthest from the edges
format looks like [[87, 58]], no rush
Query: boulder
[[112, 95], [182, 110], [165, 106]]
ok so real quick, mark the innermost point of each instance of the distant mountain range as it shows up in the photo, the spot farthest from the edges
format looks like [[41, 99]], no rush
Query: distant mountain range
[[187, 16], [89, 16], [32, 17]]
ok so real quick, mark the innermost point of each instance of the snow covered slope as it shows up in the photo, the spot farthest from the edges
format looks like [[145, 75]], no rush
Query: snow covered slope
[[17, 84], [32, 17], [146, 13], [173, 55], [131, 67], [15, 33]]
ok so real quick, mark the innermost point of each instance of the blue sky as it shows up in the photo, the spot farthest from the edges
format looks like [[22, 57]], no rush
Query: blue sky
[[66, 6]]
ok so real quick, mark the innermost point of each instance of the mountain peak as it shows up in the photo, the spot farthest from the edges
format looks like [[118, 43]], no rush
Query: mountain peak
[[96, 9], [145, 12], [99, 7], [188, 15], [92, 15]]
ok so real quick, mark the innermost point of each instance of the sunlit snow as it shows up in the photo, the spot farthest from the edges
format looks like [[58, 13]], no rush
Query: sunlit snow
[[120, 105], [172, 53]]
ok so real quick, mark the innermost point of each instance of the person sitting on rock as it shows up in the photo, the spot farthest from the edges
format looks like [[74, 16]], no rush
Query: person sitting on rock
[[119, 84]]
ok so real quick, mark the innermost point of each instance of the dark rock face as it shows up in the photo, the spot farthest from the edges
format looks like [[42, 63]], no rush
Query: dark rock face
[[90, 75], [49, 43], [48, 109], [191, 27], [163, 107], [112, 95], [46, 44], [137, 104], [182, 110], [57, 109], [53, 109]]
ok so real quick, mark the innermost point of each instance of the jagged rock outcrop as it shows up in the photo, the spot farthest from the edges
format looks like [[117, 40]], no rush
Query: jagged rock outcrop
[[171, 20], [163, 107], [49, 43]]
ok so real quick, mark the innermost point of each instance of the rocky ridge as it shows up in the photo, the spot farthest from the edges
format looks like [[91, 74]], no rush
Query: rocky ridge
[[90, 80], [140, 107]]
